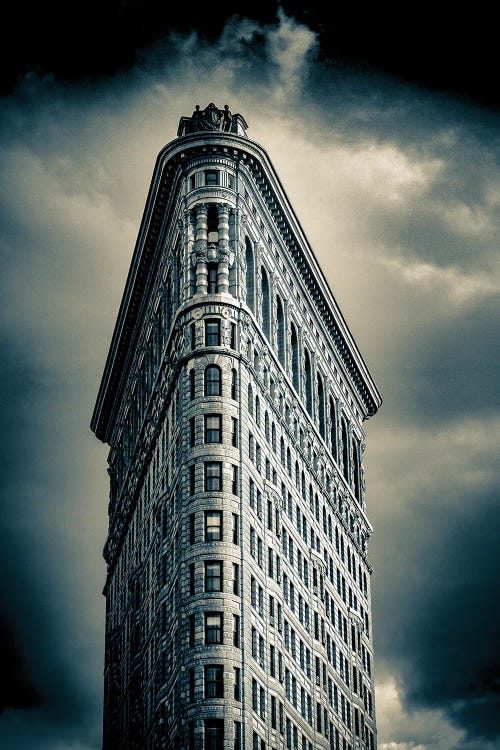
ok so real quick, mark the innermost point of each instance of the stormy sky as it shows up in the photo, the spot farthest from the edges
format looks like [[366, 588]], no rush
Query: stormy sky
[[388, 148]]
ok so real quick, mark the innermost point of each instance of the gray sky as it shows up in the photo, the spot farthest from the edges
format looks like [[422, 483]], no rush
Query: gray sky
[[398, 191]]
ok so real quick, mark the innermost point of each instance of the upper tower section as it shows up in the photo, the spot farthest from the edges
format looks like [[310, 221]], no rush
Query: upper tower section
[[218, 229]]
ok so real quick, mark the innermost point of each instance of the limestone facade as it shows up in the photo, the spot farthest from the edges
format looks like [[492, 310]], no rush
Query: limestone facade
[[233, 399]]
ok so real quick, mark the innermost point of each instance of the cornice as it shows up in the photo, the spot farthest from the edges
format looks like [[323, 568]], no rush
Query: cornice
[[164, 193]]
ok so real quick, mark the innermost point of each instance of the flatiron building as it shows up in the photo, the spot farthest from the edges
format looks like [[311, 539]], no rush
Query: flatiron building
[[233, 398]]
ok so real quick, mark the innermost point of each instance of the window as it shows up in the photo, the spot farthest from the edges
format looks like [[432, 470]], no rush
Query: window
[[213, 575], [191, 579], [213, 381], [192, 630], [237, 733], [236, 528], [192, 384], [213, 476], [232, 341], [213, 628], [234, 384], [192, 528], [212, 177], [193, 335], [192, 432], [236, 631], [214, 681], [266, 304], [192, 182], [192, 479], [308, 378], [250, 280], [212, 278], [236, 579], [214, 734], [213, 525], [191, 685], [295, 358], [213, 428], [234, 481], [237, 684], [281, 331], [345, 449], [212, 332], [234, 433]]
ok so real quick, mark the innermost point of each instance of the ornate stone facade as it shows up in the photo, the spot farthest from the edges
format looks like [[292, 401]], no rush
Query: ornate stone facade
[[233, 397]]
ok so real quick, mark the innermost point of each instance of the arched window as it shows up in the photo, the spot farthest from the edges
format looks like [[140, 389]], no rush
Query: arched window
[[308, 376], [281, 331], [213, 381], [273, 437], [266, 303], [257, 410], [282, 451], [356, 470], [321, 407], [250, 399], [295, 358], [266, 426], [345, 450], [192, 384], [333, 428], [250, 278], [289, 462]]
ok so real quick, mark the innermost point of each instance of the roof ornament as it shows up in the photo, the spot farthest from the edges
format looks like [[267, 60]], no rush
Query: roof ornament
[[212, 119]]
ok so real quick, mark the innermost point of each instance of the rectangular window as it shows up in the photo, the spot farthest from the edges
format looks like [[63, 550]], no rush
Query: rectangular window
[[237, 735], [213, 476], [192, 479], [236, 579], [236, 528], [193, 335], [212, 278], [212, 332], [214, 681], [214, 734], [234, 482], [237, 684], [192, 182], [213, 575], [212, 177], [191, 685], [236, 631], [192, 432], [191, 579], [213, 525], [213, 428], [213, 628], [234, 432], [192, 626], [233, 336], [192, 528]]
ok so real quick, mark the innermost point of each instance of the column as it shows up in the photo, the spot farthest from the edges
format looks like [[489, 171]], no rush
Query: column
[[223, 268], [201, 249]]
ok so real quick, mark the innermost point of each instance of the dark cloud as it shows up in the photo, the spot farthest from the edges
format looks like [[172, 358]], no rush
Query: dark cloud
[[16, 689], [438, 609]]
